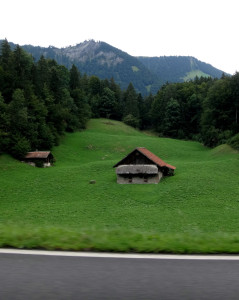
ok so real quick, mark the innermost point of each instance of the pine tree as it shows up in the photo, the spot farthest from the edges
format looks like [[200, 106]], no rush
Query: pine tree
[[74, 78], [131, 102]]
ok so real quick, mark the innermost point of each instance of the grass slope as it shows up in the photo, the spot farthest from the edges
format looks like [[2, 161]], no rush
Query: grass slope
[[191, 75], [195, 211]]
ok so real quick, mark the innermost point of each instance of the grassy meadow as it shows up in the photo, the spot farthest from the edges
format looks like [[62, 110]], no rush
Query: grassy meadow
[[195, 211]]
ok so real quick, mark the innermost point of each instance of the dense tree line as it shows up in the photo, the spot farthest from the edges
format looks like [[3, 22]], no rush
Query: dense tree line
[[103, 61], [39, 101], [204, 109]]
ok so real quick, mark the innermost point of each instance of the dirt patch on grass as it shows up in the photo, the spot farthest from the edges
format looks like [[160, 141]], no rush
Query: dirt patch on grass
[[108, 123]]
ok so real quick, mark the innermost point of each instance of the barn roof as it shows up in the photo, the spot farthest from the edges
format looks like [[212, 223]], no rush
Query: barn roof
[[38, 154], [155, 159], [137, 169]]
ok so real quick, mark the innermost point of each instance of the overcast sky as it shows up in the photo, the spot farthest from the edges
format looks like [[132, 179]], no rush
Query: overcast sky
[[205, 29]]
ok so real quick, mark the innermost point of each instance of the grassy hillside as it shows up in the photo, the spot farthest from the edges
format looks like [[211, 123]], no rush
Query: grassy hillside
[[195, 211], [191, 75]]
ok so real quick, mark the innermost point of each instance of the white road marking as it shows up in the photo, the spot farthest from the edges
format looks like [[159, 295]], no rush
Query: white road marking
[[119, 255]]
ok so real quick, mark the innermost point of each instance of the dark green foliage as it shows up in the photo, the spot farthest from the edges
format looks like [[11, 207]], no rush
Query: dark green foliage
[[131, 102], [4, 125], [74, 78], [19, 146], [234, 142], [219, 118], [204, 109], [39, 163], [94, 85], [176, 68], [102, 60], [107, 103], [131, 121], [147, 74], [42, 100], [38, 102], [172, 118]]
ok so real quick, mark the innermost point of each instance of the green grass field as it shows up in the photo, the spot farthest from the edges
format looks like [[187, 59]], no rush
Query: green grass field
[[191, 75], [195, 211]]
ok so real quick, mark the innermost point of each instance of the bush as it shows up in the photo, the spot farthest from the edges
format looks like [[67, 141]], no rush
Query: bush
[[39, 163], [131, 121], [234, 142], [20, 147]]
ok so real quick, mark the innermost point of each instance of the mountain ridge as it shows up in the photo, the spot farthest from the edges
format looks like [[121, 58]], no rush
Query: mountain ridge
[[178, 68], [147, 74]]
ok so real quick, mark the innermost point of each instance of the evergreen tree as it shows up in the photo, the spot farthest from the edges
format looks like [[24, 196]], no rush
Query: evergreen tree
[[145, 111], [22, 62], [6, 71], [171, 125], [94, 86], [131, 102], [42, 76], [4, 126], [234, 82], [107, 103], [74, 78]]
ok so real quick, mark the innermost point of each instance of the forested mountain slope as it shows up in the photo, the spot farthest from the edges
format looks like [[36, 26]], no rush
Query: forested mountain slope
[[147, 74], [104, 61], [179, 68]]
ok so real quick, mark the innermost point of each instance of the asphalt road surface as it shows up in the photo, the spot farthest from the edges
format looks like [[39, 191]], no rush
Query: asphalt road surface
[[44, 277]]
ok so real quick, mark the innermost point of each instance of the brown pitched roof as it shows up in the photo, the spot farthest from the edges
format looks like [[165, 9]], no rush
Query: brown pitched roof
[[155, 159], [158, 161], [38, 154]]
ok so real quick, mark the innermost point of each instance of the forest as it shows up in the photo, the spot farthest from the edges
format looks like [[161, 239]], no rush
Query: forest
[[41, 100]]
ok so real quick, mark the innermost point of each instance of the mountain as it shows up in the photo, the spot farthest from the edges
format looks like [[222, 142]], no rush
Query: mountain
[[104, 61], [147, 74], [179, 68]]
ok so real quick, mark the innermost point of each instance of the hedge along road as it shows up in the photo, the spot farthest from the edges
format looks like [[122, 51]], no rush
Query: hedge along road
[[72, 275]]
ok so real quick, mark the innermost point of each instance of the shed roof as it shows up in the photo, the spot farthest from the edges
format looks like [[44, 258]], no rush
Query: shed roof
[[155, 158], [137, 169], [38, 154], [152, 157]]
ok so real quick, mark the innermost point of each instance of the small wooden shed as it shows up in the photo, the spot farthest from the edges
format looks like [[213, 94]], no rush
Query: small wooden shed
[[39, 158], [142, 167]]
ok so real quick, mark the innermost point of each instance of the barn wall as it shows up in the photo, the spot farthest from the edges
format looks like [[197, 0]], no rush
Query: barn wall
[[45, 165], [125, 179]]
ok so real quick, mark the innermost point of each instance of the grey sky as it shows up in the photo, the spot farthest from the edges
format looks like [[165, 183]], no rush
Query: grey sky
[[205, 29]]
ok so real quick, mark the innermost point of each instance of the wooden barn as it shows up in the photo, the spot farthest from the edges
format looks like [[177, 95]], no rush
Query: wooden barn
[[142, 167], [39, 158]]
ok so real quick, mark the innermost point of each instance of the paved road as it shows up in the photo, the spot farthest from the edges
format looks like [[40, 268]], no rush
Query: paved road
[[63, 277]]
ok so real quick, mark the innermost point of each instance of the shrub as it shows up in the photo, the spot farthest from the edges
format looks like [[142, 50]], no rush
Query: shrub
[[39, 163], [234, 142], [20, 147], [131, 121]]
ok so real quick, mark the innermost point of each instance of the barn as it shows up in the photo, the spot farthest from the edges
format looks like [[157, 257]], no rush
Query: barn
[[142, 167], [39, 158]]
